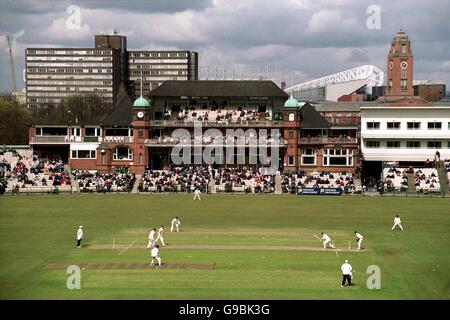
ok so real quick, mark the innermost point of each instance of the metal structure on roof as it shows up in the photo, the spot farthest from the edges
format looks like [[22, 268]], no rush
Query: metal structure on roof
[[371, 75]]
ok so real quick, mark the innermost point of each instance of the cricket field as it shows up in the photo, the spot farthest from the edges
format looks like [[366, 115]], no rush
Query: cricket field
[[230, 247]]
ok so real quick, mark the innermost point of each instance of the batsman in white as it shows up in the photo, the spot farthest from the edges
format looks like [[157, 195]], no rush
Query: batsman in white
[[151, 239], [327, 241], [175, 224], [155, 255], [197, 193], [80, 235], [161, 236], [397, 222], [359, 239]]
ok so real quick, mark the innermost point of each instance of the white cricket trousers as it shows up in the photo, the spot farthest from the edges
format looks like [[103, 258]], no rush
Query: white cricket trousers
[[197, 195], [173, 227], [328, 243], [360, 243], [157, 258], [161, 239], [151, 244], [397, 224]]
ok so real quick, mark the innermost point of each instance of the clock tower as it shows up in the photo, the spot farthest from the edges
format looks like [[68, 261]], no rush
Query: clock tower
[[399, 79], [141, 126]]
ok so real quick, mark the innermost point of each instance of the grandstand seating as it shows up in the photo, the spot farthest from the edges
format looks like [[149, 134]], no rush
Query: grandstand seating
[[231, 114], [24, 173], [180, 179], [425, 179], [92, 181], [395, 179], [293, 180], [246, 179]]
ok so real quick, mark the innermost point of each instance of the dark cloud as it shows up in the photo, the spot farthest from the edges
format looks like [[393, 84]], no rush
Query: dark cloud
[[312, 37], [358, 55]]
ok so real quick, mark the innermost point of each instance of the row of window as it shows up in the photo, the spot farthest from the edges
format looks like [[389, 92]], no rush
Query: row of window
[[156, 61], [84, 154], [66, 93], [407, 144], [332, 157], [69, 52], [58, 89], [394, 125], [157, 54], [85, 58], [72, 77], [157, 66], [80, 82], [71, 64], [71, 70]]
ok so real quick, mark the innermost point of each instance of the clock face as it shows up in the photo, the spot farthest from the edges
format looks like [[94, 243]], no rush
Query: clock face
[[404, 65], [391, 65], [140, 114], [291, 117]]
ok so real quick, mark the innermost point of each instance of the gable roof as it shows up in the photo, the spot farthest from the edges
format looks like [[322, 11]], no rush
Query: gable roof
[[214, 88], [122, 115], [311, 119]]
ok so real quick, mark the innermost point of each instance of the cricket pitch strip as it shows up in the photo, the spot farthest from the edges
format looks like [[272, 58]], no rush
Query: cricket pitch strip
[[222, 247], [125, 266]]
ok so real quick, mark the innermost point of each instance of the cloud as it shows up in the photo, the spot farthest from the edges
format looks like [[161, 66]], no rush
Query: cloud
[[330, 21], [308, 38], [358, 55]]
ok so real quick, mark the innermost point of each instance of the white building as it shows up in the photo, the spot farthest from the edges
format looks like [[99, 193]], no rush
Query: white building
[[405, 133]]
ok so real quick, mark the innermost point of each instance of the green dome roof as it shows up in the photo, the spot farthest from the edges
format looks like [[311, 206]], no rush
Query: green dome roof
[[291, 103], [141, 102]]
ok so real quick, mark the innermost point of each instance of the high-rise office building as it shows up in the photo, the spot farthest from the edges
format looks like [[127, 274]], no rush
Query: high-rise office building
[[53, 74]]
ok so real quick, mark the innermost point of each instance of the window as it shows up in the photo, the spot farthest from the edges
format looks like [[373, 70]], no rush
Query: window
[[413, 125], [338, 157], [92, 132], [84, 154], [413, 144], [434, 125], [291, 161], [123, 153], [308, 156], [403, 84], [393, 144], [393, 125], [373, 125], [449, 126], [434, 144], [372, 144]]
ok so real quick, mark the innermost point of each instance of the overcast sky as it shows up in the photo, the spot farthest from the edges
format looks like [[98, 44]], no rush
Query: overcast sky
[[311, 37]]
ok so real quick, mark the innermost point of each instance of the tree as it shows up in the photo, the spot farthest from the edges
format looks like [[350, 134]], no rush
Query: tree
[[15, 120], [82, 109]]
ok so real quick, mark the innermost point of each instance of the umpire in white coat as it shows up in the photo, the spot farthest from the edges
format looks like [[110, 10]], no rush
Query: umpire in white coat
[[80, 235], [347, 273]]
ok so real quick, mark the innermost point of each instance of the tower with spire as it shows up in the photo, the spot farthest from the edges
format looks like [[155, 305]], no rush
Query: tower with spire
[[141, 126], [399, 79]]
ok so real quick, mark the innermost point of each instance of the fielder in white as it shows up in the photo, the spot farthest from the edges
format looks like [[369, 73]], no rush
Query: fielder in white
[[359, 239], [151, 239], [161, 236], [175, 224], [397, 222], [197, 193], [327, 241], [80, 235], [155, 255], [347, 274]]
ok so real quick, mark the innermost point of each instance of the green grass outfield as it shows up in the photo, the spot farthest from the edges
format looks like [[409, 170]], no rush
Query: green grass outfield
[[36, 231]]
